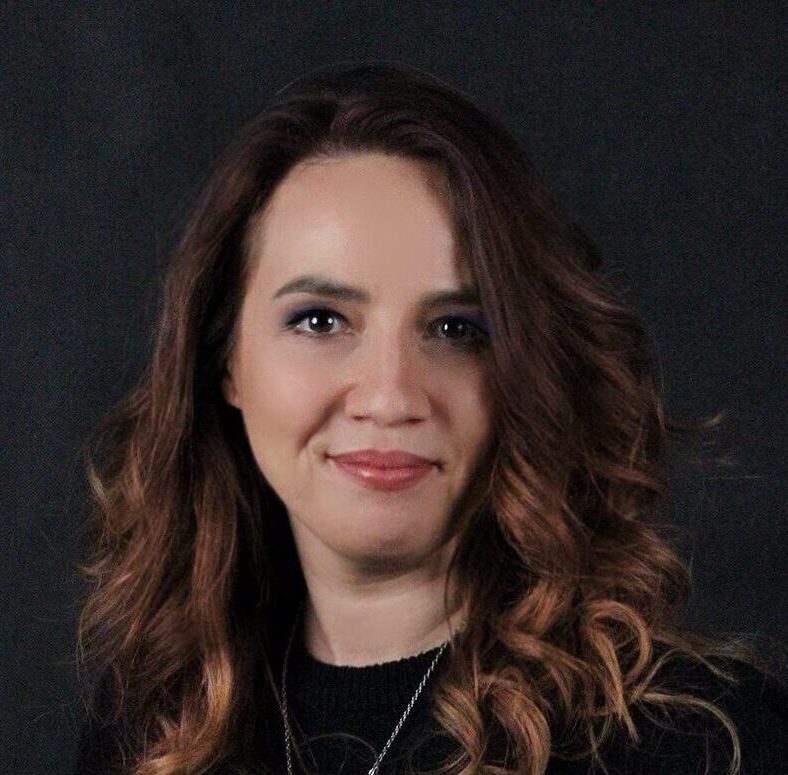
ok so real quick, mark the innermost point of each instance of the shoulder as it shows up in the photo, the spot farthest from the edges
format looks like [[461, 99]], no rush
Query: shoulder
[[692, 740]]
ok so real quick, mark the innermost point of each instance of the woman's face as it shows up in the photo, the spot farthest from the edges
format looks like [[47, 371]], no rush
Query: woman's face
[[376, 368]]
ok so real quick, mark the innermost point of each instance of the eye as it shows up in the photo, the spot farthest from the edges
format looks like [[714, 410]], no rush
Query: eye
[[312, 315], [468, 333], [471, 334]]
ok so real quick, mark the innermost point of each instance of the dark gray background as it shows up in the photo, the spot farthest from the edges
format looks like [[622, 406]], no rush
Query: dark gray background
[[657, 127]]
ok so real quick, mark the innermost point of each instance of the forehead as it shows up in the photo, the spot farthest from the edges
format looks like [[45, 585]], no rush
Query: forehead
[[370, 215]]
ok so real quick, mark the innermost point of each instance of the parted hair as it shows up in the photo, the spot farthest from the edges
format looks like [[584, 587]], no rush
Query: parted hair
[[572, 583]]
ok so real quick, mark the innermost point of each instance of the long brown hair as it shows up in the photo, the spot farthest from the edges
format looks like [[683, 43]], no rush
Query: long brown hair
[[193, 574]]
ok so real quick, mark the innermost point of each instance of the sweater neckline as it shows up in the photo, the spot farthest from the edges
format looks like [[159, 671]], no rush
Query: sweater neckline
[[377, 685]]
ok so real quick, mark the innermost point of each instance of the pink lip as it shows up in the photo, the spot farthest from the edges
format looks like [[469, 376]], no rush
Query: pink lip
[[376, 458], [377, 478]]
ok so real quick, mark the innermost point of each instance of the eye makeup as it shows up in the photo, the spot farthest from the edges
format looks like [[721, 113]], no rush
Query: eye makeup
[[472, 323]]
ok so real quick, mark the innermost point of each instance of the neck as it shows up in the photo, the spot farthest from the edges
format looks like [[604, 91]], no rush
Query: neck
[[365, 619]]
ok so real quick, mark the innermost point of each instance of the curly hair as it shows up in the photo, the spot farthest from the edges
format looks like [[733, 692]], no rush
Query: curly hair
[[572, 585]]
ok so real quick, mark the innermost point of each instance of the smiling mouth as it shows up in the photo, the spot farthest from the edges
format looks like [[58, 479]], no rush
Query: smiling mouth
[[377, 478]]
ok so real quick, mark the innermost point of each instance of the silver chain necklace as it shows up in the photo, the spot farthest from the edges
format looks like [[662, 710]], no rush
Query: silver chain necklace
[[289, 735]]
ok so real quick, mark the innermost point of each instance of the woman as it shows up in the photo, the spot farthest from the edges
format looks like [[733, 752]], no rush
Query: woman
[[384, 498]]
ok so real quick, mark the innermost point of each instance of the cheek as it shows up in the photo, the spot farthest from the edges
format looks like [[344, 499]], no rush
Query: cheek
[[474, 410], [282, 401]]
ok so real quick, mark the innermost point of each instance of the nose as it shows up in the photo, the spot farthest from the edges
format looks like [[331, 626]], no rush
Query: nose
[[389, 380]]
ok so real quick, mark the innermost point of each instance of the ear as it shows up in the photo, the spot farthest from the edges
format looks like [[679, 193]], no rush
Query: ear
[[228, 389]]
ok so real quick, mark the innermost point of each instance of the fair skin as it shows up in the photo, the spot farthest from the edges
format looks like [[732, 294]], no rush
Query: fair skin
[[382, 373]]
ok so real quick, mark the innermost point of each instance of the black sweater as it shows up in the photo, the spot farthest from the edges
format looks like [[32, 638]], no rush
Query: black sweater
[[366, 702]]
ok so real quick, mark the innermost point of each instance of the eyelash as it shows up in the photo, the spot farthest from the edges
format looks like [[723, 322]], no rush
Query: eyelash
[[464, 344]]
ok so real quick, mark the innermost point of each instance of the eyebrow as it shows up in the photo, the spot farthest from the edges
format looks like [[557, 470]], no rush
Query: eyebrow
[[320, 285]]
